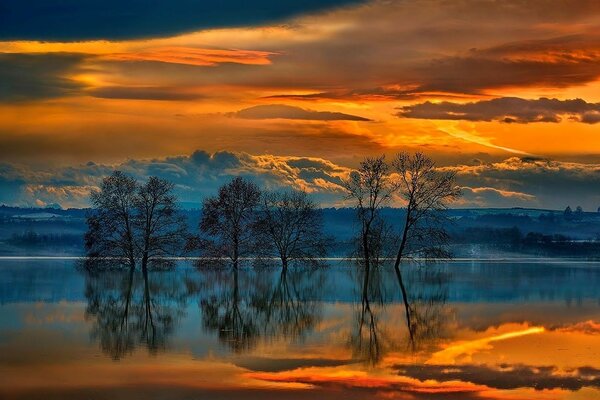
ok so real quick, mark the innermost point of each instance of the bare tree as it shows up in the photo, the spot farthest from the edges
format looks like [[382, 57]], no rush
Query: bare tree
[[110, 224], [133, 222], [370, 188], [160, 228], [427, 192], [229, 219], [293, 226]]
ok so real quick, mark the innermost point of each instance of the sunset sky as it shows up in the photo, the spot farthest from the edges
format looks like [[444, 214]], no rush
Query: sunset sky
[[296, 93]]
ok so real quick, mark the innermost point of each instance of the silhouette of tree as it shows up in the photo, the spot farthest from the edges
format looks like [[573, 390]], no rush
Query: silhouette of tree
[[110, 224], [370, 188], [229, 220], [427, 192], [291, 227], [160, 228], [132, 221]]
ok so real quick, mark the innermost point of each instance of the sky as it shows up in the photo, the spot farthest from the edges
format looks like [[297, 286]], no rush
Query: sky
[[296, 93]]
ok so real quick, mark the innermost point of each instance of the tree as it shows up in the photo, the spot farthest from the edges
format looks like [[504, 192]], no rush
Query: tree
[[133, 222], [229, 219], [292, 224], [160, 228], [427, 192], [370, 188], [110, 225]]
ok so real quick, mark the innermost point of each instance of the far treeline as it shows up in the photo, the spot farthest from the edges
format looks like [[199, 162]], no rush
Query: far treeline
[[139, 224]]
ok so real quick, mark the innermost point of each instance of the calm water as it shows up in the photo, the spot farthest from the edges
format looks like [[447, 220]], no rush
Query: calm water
[[477, 331]]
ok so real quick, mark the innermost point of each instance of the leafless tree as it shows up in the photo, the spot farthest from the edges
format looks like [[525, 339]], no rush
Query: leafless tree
[[427, 193], [229, 219], [110, 224], [160, 228], [292, 226], [133, 222], [370, 188]]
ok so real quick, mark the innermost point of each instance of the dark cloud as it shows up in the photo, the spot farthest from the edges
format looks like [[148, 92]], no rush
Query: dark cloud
[[507, 109], [271, 111], [530, 181], [506, 377], [72, 20], [526, 182], [143, 93], [475, 74], [26, 77]]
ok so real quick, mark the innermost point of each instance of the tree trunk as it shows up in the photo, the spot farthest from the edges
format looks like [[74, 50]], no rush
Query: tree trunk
[[367, 262], [235, 252], [403, 242]]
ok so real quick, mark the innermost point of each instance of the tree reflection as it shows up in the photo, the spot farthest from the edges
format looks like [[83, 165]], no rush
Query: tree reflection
[[248, 305], [228, 313], [427, 313], [133, 309], [293, 308], [367, 338], [423, 293]]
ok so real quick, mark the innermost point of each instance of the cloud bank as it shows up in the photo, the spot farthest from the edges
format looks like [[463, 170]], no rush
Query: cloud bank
[[524, 182], [195, 176]]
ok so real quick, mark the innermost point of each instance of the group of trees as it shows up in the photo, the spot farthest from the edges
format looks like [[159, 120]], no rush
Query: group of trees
[[138, 223], [133, 223], [426, 192], [243, 221]]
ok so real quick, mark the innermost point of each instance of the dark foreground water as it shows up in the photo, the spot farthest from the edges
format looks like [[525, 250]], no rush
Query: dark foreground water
[[512, 330]]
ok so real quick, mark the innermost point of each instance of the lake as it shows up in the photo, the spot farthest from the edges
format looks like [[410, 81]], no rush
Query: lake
[[478, 330]]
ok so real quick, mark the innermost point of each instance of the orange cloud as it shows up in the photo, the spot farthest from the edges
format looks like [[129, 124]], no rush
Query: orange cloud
[[356, 379], [195, 56]]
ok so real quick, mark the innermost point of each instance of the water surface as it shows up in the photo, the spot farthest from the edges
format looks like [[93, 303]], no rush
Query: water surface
[[478, 330]]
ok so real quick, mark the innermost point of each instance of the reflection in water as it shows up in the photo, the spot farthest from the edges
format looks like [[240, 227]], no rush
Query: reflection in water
[[427, 313], [476, 331], [263, 303], [131, 309], [424, 294], [228, 313]]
